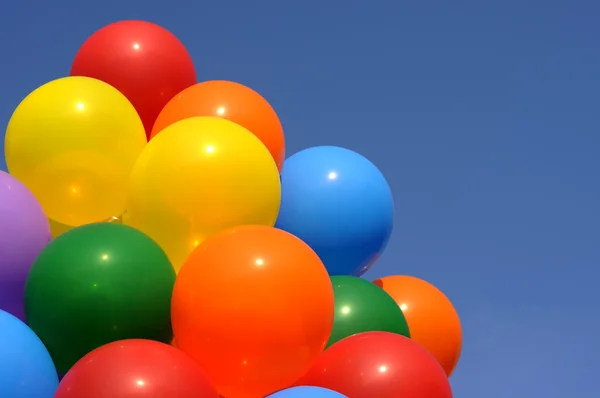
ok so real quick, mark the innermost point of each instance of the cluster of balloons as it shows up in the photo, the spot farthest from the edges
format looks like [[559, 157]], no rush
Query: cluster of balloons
[[155, 242]]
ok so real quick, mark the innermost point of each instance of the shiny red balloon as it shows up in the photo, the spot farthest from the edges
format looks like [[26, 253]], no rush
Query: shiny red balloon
[[379, 364], [135, 368], [144, 61]]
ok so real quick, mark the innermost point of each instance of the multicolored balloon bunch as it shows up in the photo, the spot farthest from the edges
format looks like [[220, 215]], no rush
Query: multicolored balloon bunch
[[156, 244]]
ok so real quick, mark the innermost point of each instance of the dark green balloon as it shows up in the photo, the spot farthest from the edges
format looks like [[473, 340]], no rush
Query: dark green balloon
[[361, 306], [96, 284]]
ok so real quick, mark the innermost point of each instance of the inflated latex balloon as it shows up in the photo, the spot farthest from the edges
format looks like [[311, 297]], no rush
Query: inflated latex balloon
[[340, 204], [307, 392], [26, 368], [253, 305], [231, 101], [199, 176], [96, 284], [379, 364], [73, 143], [431, 317], [58, 229], [24, 232], [135, 368], [361, 306], [144, 61]]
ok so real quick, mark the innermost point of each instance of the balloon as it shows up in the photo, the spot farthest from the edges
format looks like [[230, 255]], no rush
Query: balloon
[[360, 306], [96, 284], [199, 176], [231, 101], [135, 368], [379, 364], [24, 231], [431, 317], [340, 204], [58, 229], [73, 143], [144, 61], [253, 305], [26, 369], [307, 392]]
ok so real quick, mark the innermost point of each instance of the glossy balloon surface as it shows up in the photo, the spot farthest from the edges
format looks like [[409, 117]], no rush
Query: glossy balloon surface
[[144, 61], [24, 232], [73, 142], [199, 176], [340, 204], [361, 306], [379, 364], [135, 368], [96, 284], [253, 305], [431, 317], [231, 101], [26, 368], [307, 392]]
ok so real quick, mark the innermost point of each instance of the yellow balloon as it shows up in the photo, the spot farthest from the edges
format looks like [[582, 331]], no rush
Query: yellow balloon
[[58, 229], [73, 143], [198, 176]]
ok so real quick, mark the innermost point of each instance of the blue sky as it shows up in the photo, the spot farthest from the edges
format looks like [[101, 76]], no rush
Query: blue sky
[[483, 115]]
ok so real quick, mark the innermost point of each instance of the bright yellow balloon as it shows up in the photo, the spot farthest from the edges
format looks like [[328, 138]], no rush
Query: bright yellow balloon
[[198, 176], [73, 143]]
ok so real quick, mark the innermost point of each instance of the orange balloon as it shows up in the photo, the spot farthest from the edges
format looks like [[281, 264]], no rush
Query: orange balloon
[[231, 101], [431, 317], [253, 305]]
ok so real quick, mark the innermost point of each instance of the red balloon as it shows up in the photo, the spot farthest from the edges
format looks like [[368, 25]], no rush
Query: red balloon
[[379, 364], [135, 368], [144, 61]]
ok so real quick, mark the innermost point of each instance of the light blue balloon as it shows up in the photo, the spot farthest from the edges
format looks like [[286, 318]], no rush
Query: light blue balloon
[[307, 392], [340, 204], [26, 368]]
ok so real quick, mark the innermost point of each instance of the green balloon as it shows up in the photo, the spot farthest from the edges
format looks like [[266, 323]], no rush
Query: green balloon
[[361, 306], [97, 284]]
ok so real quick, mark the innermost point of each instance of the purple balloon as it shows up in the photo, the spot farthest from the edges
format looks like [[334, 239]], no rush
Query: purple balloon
[[24, 232]]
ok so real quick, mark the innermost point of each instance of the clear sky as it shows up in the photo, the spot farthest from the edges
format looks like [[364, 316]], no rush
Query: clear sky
[[483, 115]]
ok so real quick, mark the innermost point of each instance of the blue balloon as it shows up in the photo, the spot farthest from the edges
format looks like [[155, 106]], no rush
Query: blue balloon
[[307, 392], [340, 204], [26, 368]]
